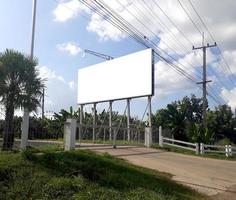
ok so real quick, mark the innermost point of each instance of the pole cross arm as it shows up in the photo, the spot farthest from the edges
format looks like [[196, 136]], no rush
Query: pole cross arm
[[202, 82], [205, 46]]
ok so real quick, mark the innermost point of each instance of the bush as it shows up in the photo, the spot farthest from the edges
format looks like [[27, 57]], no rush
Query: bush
[[223, 142]]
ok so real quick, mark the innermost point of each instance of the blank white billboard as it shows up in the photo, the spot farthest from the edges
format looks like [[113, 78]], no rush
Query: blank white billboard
[[129, 76]]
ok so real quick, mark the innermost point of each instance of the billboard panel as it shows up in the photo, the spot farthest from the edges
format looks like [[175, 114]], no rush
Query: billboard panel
[[124, 77]]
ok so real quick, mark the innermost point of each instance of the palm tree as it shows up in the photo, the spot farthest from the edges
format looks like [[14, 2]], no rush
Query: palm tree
[[20, 87]]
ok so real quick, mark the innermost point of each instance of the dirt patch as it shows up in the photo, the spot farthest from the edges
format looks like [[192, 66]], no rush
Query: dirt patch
[[229, 194]]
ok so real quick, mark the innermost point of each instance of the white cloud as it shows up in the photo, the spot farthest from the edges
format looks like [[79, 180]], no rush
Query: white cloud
[[70, 47], [168, 81], [66, 10], [229, 96], [104, 29], [60, 93], [230, 57]]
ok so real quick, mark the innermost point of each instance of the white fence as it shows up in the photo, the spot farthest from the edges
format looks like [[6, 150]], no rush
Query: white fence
[[177, 143], [181, 144], [201, 148], [228, 150]]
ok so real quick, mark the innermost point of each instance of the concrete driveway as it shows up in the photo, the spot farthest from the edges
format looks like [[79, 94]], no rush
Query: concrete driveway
[[216, 178]]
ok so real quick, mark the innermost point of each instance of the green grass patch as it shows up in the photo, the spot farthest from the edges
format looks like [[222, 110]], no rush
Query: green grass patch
[[82, 174]]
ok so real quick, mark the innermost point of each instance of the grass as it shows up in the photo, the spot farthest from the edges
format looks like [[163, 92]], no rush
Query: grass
[[220, 156], [51, 174]]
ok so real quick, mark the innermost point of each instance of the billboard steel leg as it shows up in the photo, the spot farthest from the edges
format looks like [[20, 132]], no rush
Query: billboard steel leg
[[128, 119], [80, 123], [110, 120], [150, 111], [94, 121]]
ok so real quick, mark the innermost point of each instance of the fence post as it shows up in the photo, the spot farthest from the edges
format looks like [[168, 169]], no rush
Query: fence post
[[197, 148], [114, 138], [160, 137], [148, 137], [230, 150], [202, 148], [69, 134], [226, 151]]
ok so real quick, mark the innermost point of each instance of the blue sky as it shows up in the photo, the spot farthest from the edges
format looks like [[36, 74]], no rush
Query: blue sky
[[65, 28]]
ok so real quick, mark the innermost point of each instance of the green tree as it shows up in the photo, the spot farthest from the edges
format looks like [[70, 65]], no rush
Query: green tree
[[183, 118], [20, 87], [224, 122], [63, 115]]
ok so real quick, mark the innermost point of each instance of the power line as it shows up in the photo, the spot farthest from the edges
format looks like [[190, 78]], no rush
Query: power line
[[135, 36], [152, 32], [97, 7], [143, 39], [173, 36], [222, 56], [155, 36], [200, 33], [190, 17]]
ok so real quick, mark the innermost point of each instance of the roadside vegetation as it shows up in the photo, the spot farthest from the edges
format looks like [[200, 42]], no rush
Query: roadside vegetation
[[183, 119], [51, 174]]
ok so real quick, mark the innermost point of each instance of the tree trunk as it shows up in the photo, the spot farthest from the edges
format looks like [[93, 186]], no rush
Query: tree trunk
[[8, 135]]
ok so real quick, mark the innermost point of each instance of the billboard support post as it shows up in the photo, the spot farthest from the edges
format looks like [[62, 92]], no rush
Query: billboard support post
[[94, 121], [81, 122], [128, 119], [110, 120], [150, 111]]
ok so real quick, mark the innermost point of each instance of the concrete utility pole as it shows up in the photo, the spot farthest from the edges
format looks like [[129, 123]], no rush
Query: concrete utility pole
[[25, 121], [204, 81], [33, 28]]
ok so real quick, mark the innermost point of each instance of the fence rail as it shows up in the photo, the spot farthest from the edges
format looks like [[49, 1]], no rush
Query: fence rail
[[228, 150], [201, 148], [180, 144]]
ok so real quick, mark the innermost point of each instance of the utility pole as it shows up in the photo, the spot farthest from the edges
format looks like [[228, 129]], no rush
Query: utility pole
[[33, 28], [204, 81], [25, 121]]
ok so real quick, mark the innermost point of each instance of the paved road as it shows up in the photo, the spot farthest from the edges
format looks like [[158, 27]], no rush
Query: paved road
[[209, 176]]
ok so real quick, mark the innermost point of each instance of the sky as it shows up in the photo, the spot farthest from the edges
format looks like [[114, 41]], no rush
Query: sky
[[64, 28]]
